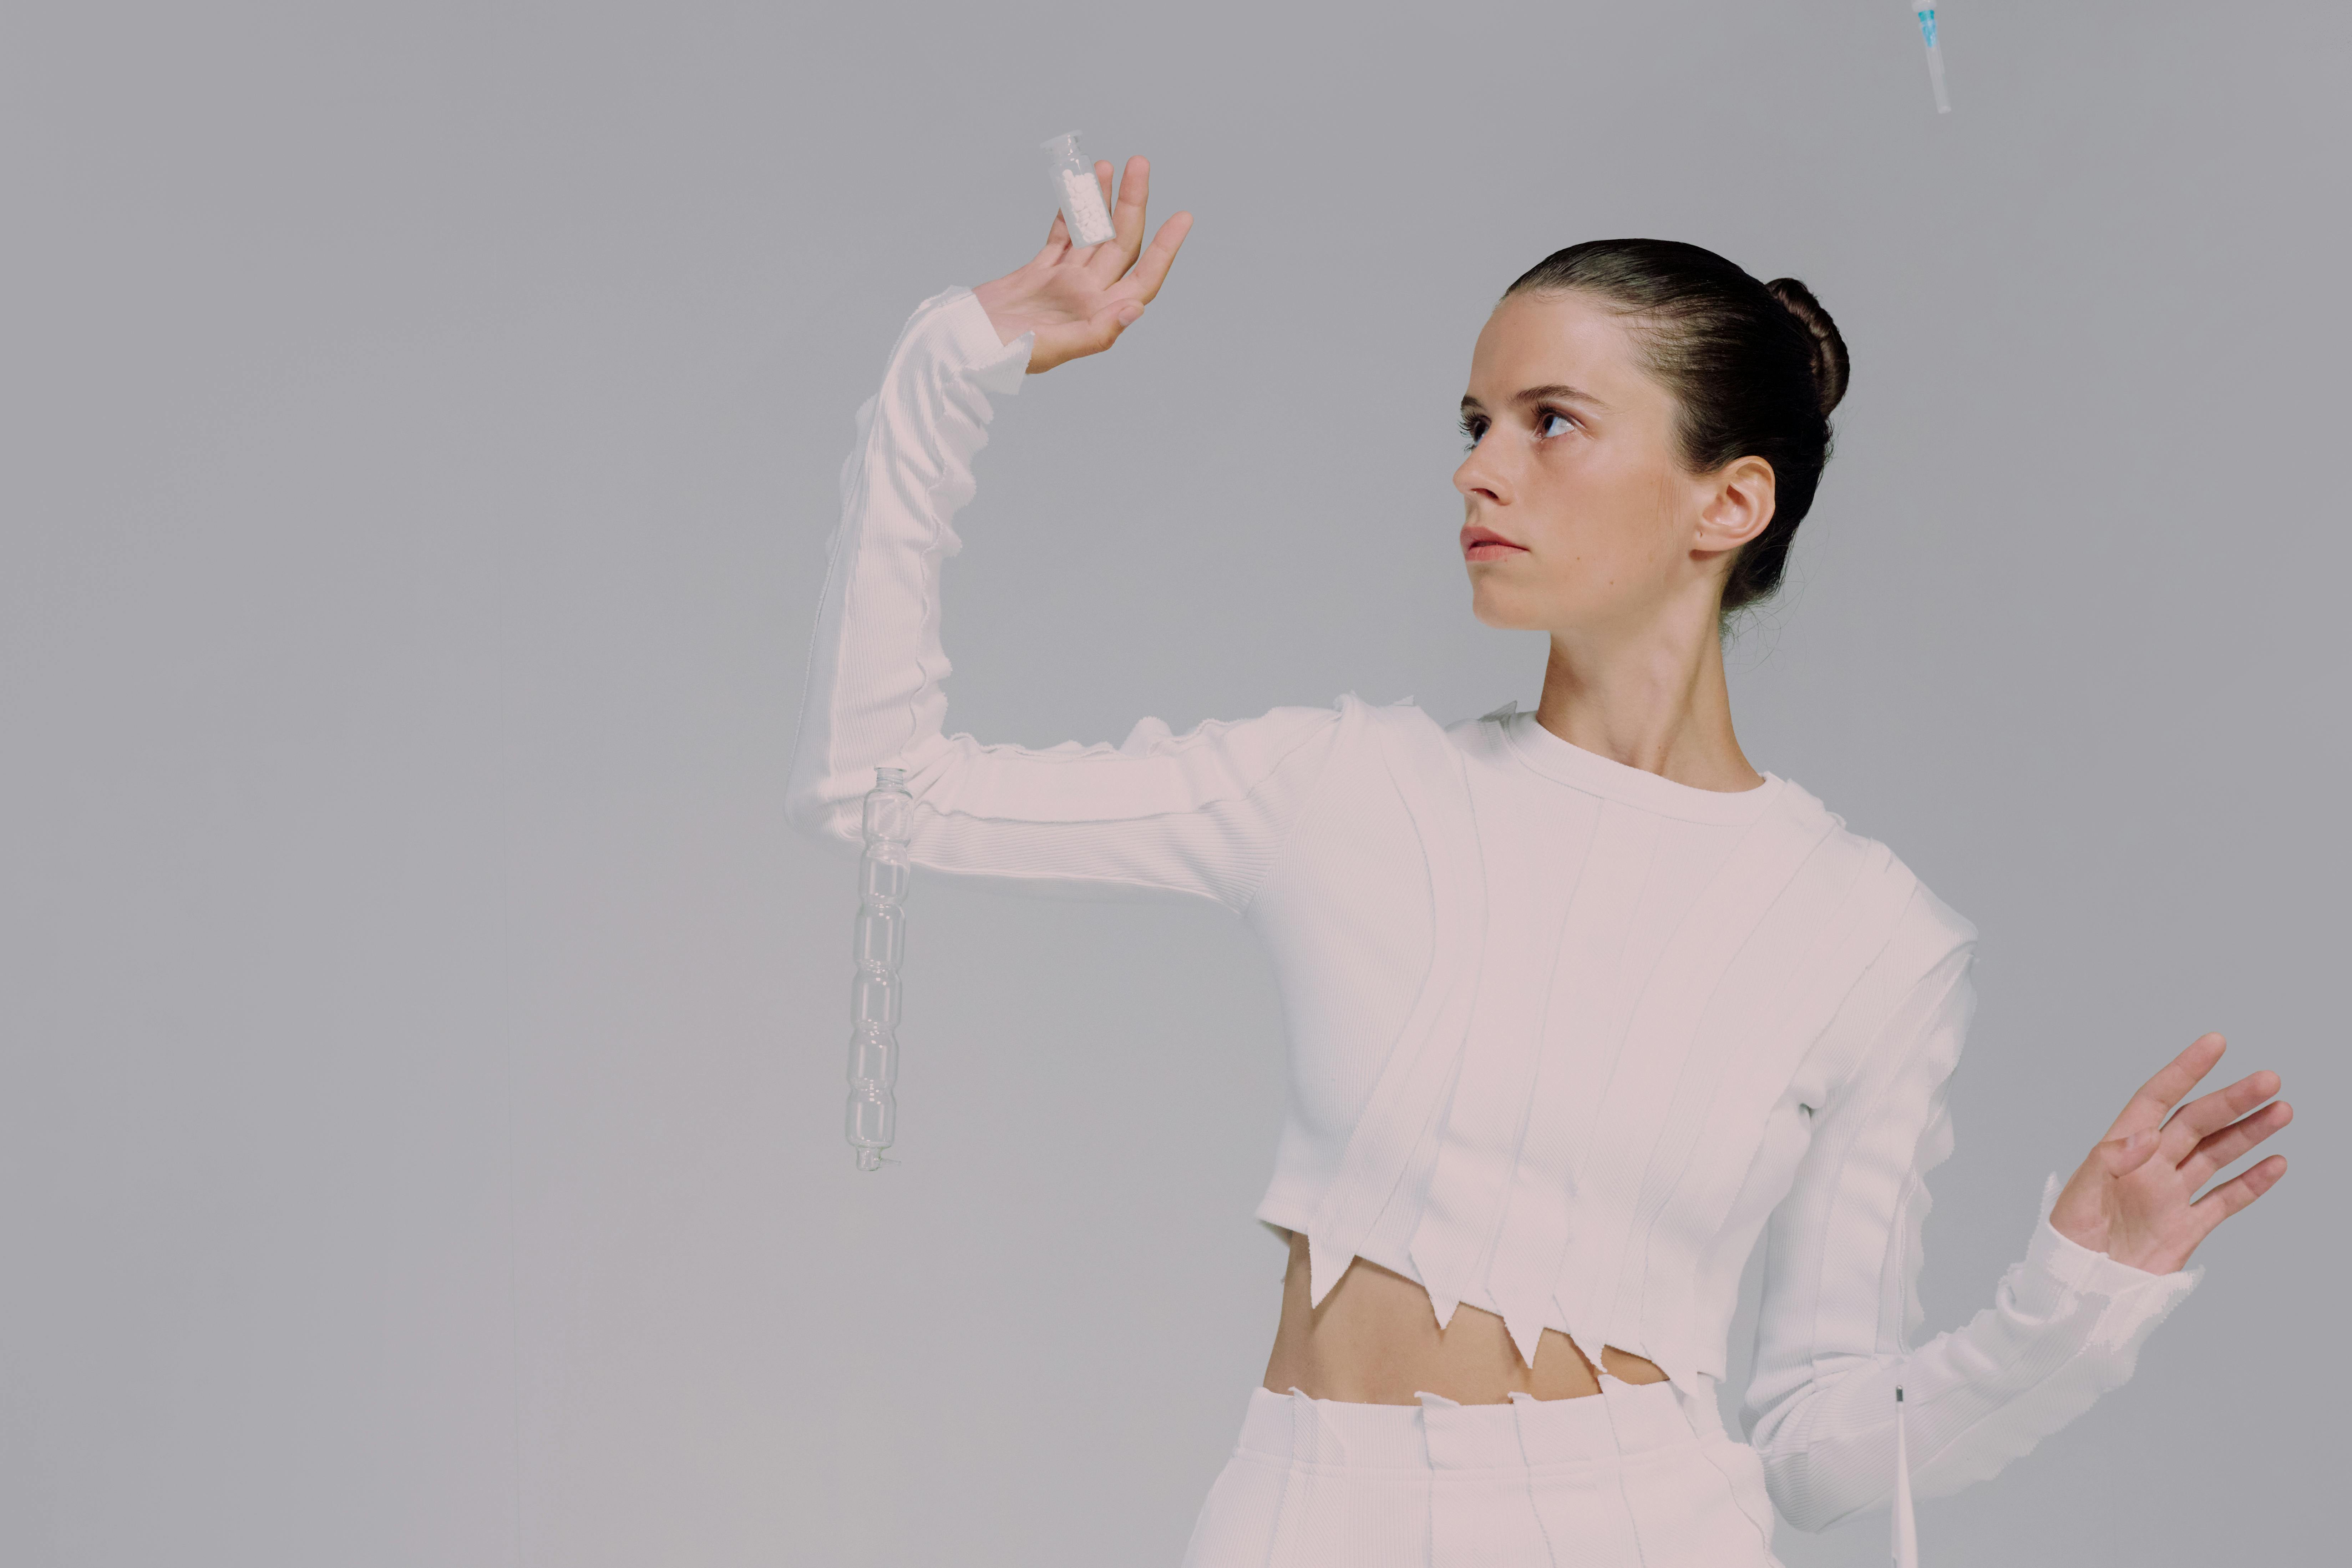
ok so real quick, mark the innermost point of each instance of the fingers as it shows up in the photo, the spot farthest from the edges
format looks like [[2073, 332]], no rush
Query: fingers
[[1151, 269], [1110, 262], [1114, 319], [2175, 1078], [2208, 1112], [2237, 1193], [2218, 1150], [1134, 191], [1101, 284], [1126, 219]]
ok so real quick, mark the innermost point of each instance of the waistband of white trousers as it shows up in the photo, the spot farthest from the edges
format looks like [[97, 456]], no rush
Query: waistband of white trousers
[[1440, 1435]]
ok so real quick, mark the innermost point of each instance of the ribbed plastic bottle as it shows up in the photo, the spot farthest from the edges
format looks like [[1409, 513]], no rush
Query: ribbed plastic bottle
[[878, 945]]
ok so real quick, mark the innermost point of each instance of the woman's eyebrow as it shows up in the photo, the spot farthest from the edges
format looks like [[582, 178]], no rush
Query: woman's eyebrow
[[1553, 391]]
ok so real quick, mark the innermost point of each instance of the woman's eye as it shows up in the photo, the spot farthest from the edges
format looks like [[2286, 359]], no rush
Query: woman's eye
[[1471, 432], [1543, 423]]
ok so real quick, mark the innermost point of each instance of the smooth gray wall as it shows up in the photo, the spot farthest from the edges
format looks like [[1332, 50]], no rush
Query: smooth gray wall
[[421, 1040]]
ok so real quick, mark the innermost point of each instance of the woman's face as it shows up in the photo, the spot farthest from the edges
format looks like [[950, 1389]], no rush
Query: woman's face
[[1574, 466]]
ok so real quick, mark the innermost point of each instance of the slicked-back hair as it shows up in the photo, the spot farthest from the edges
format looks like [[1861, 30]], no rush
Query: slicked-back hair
[[1754, 368]]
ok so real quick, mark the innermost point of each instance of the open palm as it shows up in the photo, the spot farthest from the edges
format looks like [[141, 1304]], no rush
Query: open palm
[[2135, 1197], [1078, 298]]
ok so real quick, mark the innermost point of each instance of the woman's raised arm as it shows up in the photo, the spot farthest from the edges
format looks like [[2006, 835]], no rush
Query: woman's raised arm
[[1203, 815]]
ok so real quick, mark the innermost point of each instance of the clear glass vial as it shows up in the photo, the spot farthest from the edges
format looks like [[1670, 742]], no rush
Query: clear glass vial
[[1072, 173], [878, 944]]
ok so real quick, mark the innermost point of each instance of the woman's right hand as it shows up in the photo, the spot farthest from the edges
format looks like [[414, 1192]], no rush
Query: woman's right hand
[[1078, 299], [2131, 1196]]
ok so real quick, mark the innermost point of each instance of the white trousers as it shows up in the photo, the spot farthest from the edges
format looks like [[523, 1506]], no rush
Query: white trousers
[[1641, 1476]]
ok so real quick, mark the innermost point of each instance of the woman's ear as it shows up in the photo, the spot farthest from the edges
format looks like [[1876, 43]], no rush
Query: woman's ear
[[1737, 508]]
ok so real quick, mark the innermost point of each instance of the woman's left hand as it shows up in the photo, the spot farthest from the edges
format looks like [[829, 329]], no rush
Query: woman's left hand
[[2131, 1199]]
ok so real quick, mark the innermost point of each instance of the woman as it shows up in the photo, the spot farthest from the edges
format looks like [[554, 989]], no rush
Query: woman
[[1582, 1004]]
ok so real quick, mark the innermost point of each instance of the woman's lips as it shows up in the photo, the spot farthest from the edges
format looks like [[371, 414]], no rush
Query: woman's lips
[[1492, 550]]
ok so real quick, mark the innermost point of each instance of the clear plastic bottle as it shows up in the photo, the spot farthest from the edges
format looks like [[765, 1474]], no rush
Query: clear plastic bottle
[[1076, 187], [878, 944]]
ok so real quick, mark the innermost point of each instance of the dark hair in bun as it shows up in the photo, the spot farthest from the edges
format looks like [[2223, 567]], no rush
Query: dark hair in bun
[[1756, 368]]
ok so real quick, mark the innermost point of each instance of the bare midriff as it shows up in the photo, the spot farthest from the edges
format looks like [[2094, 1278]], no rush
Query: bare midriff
[[1375, 1341]]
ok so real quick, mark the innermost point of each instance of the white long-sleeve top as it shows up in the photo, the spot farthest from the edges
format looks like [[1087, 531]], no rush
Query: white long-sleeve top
[[1566, 1037]]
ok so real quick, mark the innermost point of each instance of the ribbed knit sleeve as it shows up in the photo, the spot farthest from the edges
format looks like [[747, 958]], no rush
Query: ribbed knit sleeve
[[1201, 815], [1840, 1294]]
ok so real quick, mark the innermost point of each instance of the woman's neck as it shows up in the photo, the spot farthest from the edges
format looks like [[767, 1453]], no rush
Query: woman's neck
[[1653, 698]]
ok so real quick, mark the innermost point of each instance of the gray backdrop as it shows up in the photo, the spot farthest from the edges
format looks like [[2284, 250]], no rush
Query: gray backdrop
[[420, 1099]]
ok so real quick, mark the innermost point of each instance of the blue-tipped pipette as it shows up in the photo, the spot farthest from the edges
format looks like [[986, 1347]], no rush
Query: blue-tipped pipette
[[1934, 58]]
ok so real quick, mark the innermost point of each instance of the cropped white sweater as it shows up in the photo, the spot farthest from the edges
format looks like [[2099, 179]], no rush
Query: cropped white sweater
[[1565, 1038]]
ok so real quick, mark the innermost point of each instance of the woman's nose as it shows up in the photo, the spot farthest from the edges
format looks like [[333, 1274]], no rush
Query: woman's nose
[[1476, 476]]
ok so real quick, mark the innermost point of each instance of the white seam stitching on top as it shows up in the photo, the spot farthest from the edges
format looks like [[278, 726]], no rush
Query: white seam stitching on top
[[924, 601], [1835, 1180], [1066, 877], [1946, 1447], [930, 567], [1309, 798], [1766, 1011], [1102, 749], [840, 557]]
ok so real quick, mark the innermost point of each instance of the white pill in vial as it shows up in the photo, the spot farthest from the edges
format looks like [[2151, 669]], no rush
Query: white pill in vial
[[1072, 174]]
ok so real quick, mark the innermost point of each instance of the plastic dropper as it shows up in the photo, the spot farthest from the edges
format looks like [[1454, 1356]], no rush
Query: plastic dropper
[[1934, 59]]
